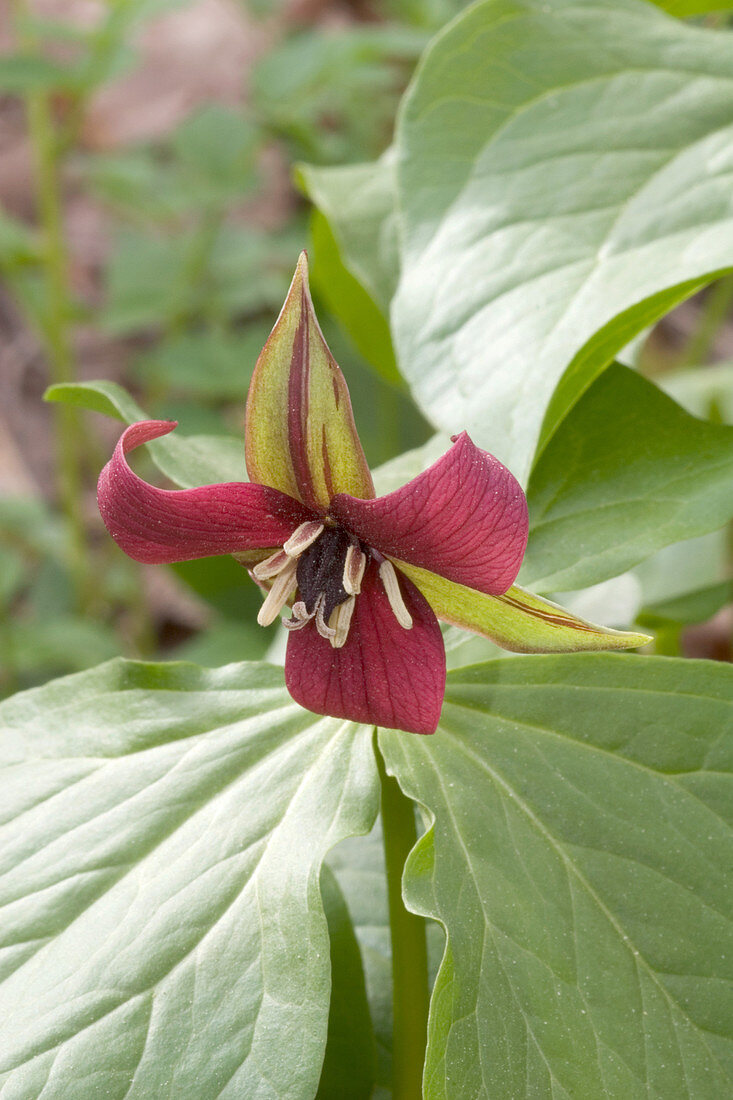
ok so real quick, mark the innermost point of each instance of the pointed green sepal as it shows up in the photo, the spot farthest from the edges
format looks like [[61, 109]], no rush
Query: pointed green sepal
[[300, 433], [518, 620]]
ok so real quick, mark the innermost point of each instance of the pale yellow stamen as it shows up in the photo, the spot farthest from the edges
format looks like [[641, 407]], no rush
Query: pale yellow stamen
[[282, 589], [340, 621], [388, 577], [354, 566], [302, 537], [271, 566]]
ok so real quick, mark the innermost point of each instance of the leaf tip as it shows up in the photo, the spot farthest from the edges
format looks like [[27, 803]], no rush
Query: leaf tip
[[300, 284], [635, 641]]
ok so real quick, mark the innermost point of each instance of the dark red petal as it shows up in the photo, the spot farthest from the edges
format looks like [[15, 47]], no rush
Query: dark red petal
[[464, 518], [164, 525], [384, 675]]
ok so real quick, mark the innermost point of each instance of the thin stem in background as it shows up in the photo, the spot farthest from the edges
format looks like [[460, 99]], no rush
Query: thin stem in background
[[715, 310], [56, 317], [410, 989], [104, 42]]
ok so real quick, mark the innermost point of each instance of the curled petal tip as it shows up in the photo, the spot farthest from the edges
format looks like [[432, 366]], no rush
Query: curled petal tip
[[144, 432], [166, 525]]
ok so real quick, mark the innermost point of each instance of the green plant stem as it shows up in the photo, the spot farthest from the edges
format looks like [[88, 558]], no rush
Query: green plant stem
[[56, 333], [410, 991], [104, 41]]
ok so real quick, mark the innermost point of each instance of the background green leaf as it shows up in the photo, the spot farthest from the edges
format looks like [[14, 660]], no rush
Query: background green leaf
[[627, 473], [204, 365], [358, 200], [25, 73], [217, 146], [685, 8], [162, 927], [703, 391], [333, 95], [688, 581], [187, 460], [358, 864], [580, 861], [347, 300], [558, 163]]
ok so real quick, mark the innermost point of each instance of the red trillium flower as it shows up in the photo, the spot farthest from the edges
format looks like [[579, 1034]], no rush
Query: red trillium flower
[[358, 572]]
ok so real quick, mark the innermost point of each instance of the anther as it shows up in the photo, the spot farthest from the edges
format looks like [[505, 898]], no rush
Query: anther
[[303, 537], [340, 621], [282, 589], [354, 565], [388, 577], [271, 566]]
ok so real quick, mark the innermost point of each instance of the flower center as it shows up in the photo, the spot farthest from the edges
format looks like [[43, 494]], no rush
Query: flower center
[[325, 566]]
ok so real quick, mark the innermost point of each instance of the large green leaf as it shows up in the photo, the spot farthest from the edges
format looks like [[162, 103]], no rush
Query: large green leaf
[[627, 473], [559, 162], [580, 861], [163, 830]]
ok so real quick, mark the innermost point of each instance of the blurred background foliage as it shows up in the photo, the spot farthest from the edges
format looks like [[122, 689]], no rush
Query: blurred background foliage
[[150, 219]]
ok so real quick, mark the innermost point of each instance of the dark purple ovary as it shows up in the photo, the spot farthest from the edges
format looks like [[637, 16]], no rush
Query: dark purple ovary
[[321, 570]]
